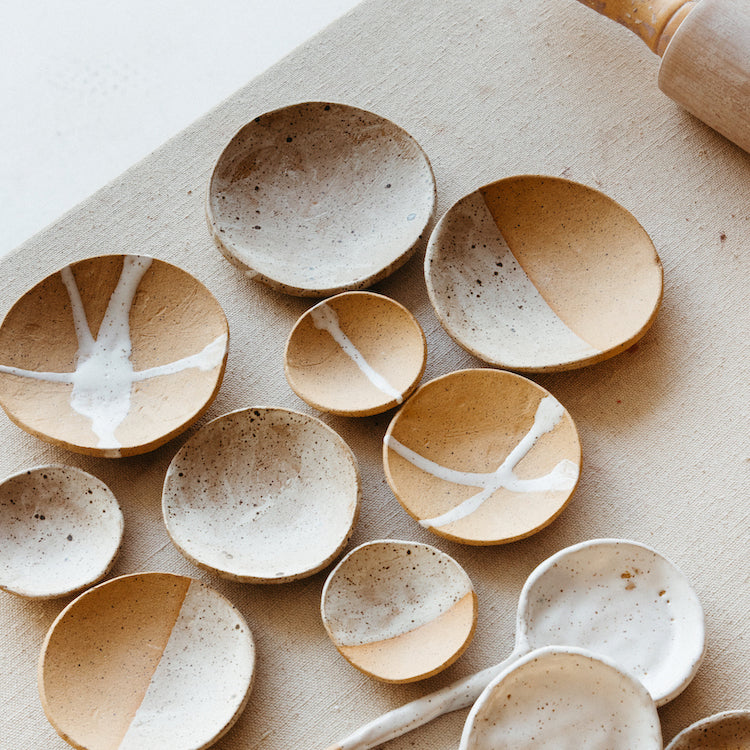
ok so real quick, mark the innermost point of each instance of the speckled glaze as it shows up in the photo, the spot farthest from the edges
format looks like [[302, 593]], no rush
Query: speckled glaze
[[489, 449], [112, 356], [262, 495], [618, 599], [399, 611], [356, 354], [317, 198], [729, 730], [146, 660], [563, 698], [538, 274], [60, 531]]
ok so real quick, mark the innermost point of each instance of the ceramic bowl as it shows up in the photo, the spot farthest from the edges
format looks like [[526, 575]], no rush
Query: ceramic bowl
[[262, 495], [539, 274], [729, 730], [146, 661], [112, 356], [399, 611], [60, 531], [355, 354], [316, 198], [482, 456]]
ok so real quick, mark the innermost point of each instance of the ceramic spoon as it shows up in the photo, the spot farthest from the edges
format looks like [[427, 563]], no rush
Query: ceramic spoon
[[729, 730], [563, 697], [617, 598]]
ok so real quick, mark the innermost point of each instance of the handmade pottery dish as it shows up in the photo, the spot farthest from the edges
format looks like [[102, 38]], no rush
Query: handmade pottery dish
[[316, 198], [482, 456], [112, 356], [563, 697], [580, 597], [146, 660], [537, 274], [60, 531], [399, 611], [355, 354], [262, 495], [729, 730]]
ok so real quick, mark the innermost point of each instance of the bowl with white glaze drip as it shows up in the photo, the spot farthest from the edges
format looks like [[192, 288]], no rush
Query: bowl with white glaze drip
[[355, 354], [262, 495], [536, 274], [145, 661], [317, 198], [112, 356], [728, 730], [399, 611], [482, 456], [60, 531]]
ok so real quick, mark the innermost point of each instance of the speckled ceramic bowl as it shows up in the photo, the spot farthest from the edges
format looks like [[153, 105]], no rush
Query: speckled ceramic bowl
[[60, 531], [316, 198], [146, 661], [537, 274], [729, 730], [399, 611], [262, 495]]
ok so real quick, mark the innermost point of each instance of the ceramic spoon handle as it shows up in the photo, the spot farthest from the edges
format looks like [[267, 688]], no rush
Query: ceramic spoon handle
[[459, 694], [654, 21]]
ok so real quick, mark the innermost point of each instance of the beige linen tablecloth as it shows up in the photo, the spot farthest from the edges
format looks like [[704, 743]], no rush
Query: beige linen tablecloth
[[490, 88]]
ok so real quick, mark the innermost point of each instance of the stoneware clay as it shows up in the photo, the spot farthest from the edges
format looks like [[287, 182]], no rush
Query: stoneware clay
[[399, 611], [563, 697], [146, 661], [60, 531], [618, 599], [539, 274], [729, 730], [262, 495], [316, 198], [482, 456], [355, 354], [112, 356]]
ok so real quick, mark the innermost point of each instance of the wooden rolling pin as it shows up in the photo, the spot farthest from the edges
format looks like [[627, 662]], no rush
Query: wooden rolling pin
[[705, 50]]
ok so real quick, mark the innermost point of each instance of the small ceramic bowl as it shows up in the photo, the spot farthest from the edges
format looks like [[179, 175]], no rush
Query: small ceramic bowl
[[729, 730], [316, 198], [482, 456], [399, 611], [146, 660], [262, 495], [60, 531], [355, 354], [112, 356], [539, 274]]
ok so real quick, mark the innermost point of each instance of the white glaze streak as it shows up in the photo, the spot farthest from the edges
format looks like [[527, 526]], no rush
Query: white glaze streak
[[206, 359], [51, 377], [325, 318], [563, 477]]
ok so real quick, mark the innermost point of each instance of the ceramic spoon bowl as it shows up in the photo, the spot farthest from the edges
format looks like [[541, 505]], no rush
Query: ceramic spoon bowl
[[146, 660], [316, 198], [563, 697], [60, 531], [399, 611], [355, 354], [729, 730], [539, 274], [112, 356], [262, 495], [482, 456]]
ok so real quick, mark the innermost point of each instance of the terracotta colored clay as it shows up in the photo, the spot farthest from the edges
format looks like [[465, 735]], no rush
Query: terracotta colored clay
[[618, 599], [563, 697], [729, 730], [355, 354], [112, 356], [399, 611], [316, 198], [539, 274], [262, 495], [146, 660], [482, 456], [60, 531]]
